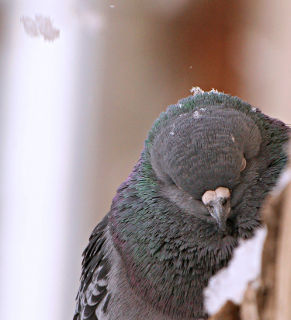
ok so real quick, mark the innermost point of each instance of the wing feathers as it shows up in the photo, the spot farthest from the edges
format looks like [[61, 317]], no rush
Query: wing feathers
[[93, 298]]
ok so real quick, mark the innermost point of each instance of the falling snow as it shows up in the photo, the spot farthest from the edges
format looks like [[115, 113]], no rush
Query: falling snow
[[40, 26]]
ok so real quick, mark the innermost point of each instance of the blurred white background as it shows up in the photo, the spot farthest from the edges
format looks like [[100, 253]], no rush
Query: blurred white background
[[75, 112]]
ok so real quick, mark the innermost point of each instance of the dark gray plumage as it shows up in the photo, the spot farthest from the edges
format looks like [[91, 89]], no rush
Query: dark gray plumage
[[207, 165]]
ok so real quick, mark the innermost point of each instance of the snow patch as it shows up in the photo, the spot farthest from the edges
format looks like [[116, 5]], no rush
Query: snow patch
[[40, 26], [283, 181], [254, 109], [231, 282], [196, 115], [196, 90]]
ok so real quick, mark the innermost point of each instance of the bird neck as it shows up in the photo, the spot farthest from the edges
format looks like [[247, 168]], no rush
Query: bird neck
[[166, 254]]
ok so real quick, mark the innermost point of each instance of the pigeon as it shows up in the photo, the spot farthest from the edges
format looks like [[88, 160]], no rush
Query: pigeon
[[208, 163]]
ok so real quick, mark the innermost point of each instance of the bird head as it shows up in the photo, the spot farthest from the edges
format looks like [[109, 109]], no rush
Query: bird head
[[207, 154]]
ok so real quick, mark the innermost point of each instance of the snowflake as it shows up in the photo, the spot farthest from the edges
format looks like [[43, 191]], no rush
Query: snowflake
[[196, 90]]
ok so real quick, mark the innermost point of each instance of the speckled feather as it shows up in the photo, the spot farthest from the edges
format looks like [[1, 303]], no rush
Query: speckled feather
[[168, 253]]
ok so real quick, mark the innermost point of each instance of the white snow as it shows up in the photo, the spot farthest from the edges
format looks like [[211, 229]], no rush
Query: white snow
[[284, 180], [196, 115], [230, 282], [40, 26], [196, 90]]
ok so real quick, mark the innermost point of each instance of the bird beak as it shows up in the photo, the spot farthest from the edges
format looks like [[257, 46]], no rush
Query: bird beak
[[218, 204], [220, 214]]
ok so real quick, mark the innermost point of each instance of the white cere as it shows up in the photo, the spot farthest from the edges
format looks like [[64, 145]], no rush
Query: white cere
[[196, 115], [254, 109]]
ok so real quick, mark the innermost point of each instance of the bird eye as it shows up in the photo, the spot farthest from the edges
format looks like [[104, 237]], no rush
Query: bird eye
[[223, 202], [243, 164]]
